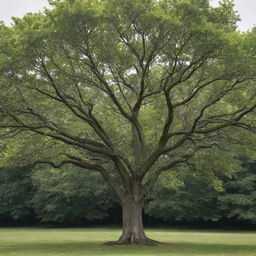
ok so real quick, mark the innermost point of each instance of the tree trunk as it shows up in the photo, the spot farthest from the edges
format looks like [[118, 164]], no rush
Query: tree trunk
[[133, 229]]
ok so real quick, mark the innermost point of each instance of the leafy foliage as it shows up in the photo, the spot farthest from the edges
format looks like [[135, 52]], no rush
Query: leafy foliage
[[70, 195], [195, 199], [16, 193], [239, 199], [166, 78]]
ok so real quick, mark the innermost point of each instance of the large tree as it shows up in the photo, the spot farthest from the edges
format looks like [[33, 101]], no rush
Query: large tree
[[126, 88]]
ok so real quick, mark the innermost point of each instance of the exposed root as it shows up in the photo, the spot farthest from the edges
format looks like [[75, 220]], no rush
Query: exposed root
[[152, 242], [113, 243], [145, 241]]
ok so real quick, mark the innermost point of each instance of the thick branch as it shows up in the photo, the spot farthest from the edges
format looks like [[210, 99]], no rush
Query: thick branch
[[147, 187]]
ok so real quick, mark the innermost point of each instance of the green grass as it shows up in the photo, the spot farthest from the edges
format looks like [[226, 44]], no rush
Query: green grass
[[74, 242]]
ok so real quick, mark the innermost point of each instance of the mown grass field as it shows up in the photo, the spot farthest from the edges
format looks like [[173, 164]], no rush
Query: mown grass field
[[79, 242]]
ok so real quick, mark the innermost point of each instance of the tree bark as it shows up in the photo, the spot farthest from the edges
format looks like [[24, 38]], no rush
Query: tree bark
[[133, 229]]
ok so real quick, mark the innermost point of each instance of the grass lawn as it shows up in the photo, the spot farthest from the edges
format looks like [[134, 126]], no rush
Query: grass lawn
[[56, 242]]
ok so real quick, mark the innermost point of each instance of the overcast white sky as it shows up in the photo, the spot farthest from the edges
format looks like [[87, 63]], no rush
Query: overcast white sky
[[18, 8], [247, 11], [9, 8]]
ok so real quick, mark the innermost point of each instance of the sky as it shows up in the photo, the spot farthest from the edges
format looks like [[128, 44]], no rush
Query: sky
[[247, 11], [18, 8], [9, 8]]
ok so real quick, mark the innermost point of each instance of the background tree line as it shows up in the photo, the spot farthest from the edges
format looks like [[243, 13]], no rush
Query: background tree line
[[70, 196]]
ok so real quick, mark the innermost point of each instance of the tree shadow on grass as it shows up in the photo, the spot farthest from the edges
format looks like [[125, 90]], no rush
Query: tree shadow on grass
[[93, 248]]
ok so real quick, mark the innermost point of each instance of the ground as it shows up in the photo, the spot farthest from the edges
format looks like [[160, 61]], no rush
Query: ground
[[83, 242]]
